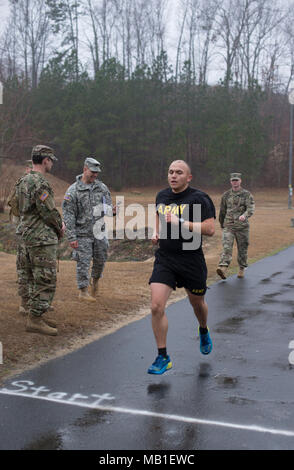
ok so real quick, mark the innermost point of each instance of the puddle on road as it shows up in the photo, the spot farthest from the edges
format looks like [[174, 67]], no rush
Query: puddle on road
[[92, 418], [226, 380], [268, 297], [51, 441], [268, 279], [229, 326], [158, 389], [240, 401], [204, 370]]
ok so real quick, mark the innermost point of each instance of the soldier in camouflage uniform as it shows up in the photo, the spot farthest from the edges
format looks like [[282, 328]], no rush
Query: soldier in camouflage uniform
[[39, 229], [237, 205], [15, 219], [84, 206]]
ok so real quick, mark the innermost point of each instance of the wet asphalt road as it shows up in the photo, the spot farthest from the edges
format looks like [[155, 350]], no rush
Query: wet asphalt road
[[239, 397]]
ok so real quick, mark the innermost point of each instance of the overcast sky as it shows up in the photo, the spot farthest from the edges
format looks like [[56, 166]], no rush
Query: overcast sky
[[4, 10]]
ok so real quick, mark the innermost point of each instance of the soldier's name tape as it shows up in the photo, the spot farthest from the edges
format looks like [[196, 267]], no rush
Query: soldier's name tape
[[27, 389]]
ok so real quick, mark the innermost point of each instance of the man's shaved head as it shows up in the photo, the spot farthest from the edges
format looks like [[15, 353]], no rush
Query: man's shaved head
[[179, 175], [182, 162]]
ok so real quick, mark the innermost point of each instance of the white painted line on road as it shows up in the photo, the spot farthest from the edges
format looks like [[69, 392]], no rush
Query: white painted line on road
[[152, 414]]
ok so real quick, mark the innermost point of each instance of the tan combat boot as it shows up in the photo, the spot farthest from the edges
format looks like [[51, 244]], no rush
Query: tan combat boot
[[241, 273], [38, 325], [49, 321], [221, 271], [85, 296], [94, 287], [23, 309]]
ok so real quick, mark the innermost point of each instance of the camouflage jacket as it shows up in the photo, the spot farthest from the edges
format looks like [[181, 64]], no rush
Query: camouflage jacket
[[40, 222], [234, 204], [12, 202], [84, 207]]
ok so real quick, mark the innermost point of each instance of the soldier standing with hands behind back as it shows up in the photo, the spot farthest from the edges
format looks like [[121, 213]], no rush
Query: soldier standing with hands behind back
[[237, 205]]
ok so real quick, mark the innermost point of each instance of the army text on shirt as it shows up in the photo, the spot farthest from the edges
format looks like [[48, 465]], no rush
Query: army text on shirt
[[183, 205]]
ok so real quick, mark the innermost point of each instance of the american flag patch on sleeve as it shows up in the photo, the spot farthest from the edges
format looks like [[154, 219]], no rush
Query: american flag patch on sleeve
[[44, 196]]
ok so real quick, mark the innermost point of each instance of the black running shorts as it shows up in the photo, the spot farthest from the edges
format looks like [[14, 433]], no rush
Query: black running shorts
[[180, 270]]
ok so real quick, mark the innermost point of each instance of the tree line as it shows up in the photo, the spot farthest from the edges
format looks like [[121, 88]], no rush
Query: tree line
[[100, 77]]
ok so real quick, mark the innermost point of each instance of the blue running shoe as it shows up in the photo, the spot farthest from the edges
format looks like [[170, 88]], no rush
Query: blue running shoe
[[160, 365], [205, 342]]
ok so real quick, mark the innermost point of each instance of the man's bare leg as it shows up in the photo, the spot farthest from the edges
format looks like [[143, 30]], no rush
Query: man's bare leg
[[201, 312], [159, 296], [200, 308]]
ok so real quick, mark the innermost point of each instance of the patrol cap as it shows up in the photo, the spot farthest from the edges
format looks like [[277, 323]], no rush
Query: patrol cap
[[43, 151], [92, 164], [235, 176]]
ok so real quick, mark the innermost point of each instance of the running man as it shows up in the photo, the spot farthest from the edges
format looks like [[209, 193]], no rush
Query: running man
[[179, 261]]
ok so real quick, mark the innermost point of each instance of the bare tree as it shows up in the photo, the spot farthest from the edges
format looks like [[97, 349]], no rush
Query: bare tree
[[230, 26], [196, 36], [106, 19], [207, 37], [261, 38], [103, 15], [140, 12], [15, 128], [31, 30], [125, 34], [288, 34], [72, 13], [156, 21], [64, 16], [182, 19], [193, 27], [8, 52], [94, 41]]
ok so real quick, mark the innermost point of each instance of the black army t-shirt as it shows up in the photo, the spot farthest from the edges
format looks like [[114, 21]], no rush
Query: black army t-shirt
[[190, 205]]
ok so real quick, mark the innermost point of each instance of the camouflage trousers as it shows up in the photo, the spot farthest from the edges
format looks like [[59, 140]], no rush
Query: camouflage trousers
[[242, 240], [87, 251], [36, 272]]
